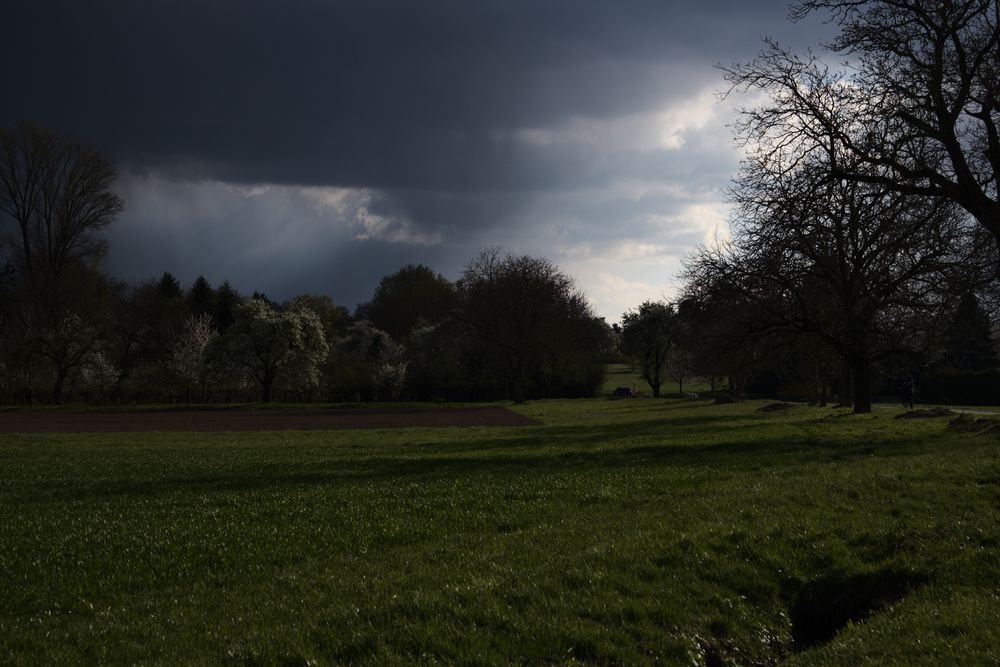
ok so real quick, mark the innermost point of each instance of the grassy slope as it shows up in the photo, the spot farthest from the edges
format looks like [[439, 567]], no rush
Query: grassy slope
[[619, 532]]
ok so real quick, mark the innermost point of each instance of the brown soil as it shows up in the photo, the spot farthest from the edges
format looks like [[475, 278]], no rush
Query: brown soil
[[255, 420]]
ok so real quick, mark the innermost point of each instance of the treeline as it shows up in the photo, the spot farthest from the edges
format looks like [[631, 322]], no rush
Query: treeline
[[864, 255], [512, 327], [744, 348], [847, 286]]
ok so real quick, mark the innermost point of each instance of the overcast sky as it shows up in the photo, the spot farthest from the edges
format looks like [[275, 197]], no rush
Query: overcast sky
[[314, 146]]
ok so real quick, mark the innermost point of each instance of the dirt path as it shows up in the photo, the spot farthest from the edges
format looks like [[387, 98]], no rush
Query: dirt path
[[255, 420]]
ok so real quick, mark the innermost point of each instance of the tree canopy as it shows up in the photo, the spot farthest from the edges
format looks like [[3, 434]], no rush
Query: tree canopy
[[526, 313], [403, 300], [57, 190], [915, 109], [648, 334]]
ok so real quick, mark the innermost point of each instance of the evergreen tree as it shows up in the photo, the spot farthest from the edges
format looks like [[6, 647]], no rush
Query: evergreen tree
[[969, 345], [227, 300], [168, 287], [201, 297]]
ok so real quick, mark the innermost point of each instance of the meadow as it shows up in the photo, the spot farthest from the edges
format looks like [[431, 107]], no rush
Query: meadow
[[628, 375], [624, 532]]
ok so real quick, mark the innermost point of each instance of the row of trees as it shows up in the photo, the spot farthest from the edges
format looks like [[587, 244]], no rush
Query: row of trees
[[510, 327], [865, 243], [867, 213], [753, 343]]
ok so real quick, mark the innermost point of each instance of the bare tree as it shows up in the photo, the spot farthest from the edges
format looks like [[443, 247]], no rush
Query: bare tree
[[389, 371], [720, 307], [844, 261], [188, 355], [62, 323], [648, 334], [57, 191], [916, 107]]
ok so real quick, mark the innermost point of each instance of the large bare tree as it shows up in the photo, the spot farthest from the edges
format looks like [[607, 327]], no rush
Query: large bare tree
[[846, 262], [57, 191], [914, 107]]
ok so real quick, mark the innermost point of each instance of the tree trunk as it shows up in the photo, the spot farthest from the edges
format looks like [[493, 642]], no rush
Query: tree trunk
[[861, 376], [515, 390], [57, 388], [680, 386], [655, 386], [265, 389], [844, 389]]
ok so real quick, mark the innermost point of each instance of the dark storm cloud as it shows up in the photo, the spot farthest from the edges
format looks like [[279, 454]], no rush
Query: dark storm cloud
[[381, 94], [392, 131], [282, 240]]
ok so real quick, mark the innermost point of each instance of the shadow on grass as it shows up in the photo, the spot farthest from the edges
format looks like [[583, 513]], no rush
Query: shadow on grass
[[535, 453], [86, 408]]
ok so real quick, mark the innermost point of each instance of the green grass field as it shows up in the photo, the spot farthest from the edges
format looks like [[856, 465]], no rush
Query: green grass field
[[619, 532], [626, 375]]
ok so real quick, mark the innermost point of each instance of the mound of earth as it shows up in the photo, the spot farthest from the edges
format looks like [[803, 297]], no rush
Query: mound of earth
[[775, 407], [926, 413], [257, 420], [971, 423]]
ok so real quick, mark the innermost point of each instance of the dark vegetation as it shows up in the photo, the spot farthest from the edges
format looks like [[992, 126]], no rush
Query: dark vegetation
[[157, 342], [863, 263], [864, 255]]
